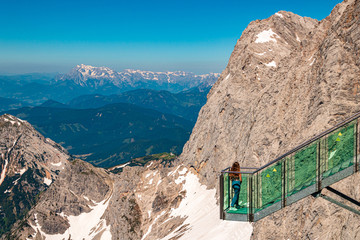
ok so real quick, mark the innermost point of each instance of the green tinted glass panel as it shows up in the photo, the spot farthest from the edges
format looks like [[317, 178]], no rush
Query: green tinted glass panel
[[271, 185], [290, 175], [256, 197], [301, 169], [243, 196], [243, 207], [340, 150], [226, 191]]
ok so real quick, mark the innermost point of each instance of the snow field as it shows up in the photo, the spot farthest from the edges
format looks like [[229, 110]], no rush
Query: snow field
[[202, 215]]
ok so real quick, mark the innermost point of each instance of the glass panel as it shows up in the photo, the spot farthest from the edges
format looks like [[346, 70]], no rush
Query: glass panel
[[269, 186], [301, 169], [256, 199], [226, 191], [290, 175], [243, 200], [340, 154], [337, 152], [243, 196]]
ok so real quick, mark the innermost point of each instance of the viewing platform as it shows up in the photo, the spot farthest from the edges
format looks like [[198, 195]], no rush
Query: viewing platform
[[307, 169]]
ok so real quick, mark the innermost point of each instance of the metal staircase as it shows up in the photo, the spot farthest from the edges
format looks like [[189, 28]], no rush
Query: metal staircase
[[305, 170]]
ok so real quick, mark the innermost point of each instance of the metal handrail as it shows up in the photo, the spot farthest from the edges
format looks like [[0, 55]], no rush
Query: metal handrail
[[339, 125], [245, 172]]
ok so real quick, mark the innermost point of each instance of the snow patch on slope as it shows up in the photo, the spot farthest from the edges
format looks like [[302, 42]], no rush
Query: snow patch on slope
[[227, 77], [266, 36], [202, 215], [312, 62], [47, 181], [270, 64], [150, 227], [122, 165], [56, 164], [22, 171], [279, 15], [3, 172], [12, 122], [183, 171], [172, 172], [84, 226]]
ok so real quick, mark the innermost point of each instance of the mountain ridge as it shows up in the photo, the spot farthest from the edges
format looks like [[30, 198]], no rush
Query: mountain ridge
[[35, 90], [186, 104], [97, 77]]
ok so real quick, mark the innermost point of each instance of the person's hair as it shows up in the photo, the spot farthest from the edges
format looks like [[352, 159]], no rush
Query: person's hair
[[235, 168]]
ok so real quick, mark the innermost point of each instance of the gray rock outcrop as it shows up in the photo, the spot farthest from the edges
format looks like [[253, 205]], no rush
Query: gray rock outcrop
[[29, 163]]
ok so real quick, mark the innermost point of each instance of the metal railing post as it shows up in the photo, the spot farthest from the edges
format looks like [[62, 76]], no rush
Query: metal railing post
[[229, 191], [283, 176], [222, 196], [318, 166], [251, 214], [357, 147], [257, 190]]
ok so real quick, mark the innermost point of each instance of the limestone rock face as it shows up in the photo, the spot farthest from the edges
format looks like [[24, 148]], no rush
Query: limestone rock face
[[136, 204], [141, 206], [29, 163], [288, 79]]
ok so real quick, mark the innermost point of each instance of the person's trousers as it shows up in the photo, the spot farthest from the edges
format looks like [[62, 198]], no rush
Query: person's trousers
[[236, 187]]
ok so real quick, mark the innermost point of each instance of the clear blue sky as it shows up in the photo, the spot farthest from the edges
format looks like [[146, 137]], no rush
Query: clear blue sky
[[189, 35]]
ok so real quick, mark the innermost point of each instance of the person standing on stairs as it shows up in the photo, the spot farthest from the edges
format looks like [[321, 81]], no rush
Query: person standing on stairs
[[236, 183]]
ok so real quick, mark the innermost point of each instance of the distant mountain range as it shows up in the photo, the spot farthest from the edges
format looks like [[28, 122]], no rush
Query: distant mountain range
[[106, 79], [35, 89]]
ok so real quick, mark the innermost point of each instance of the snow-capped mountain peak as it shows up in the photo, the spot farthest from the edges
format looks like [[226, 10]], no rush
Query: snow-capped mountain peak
[[96, 77], [88, 71]]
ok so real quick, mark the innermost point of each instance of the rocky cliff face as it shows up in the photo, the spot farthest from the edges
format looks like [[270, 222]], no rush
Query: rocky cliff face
[[52, 196], [29, 163], [288, 79]]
